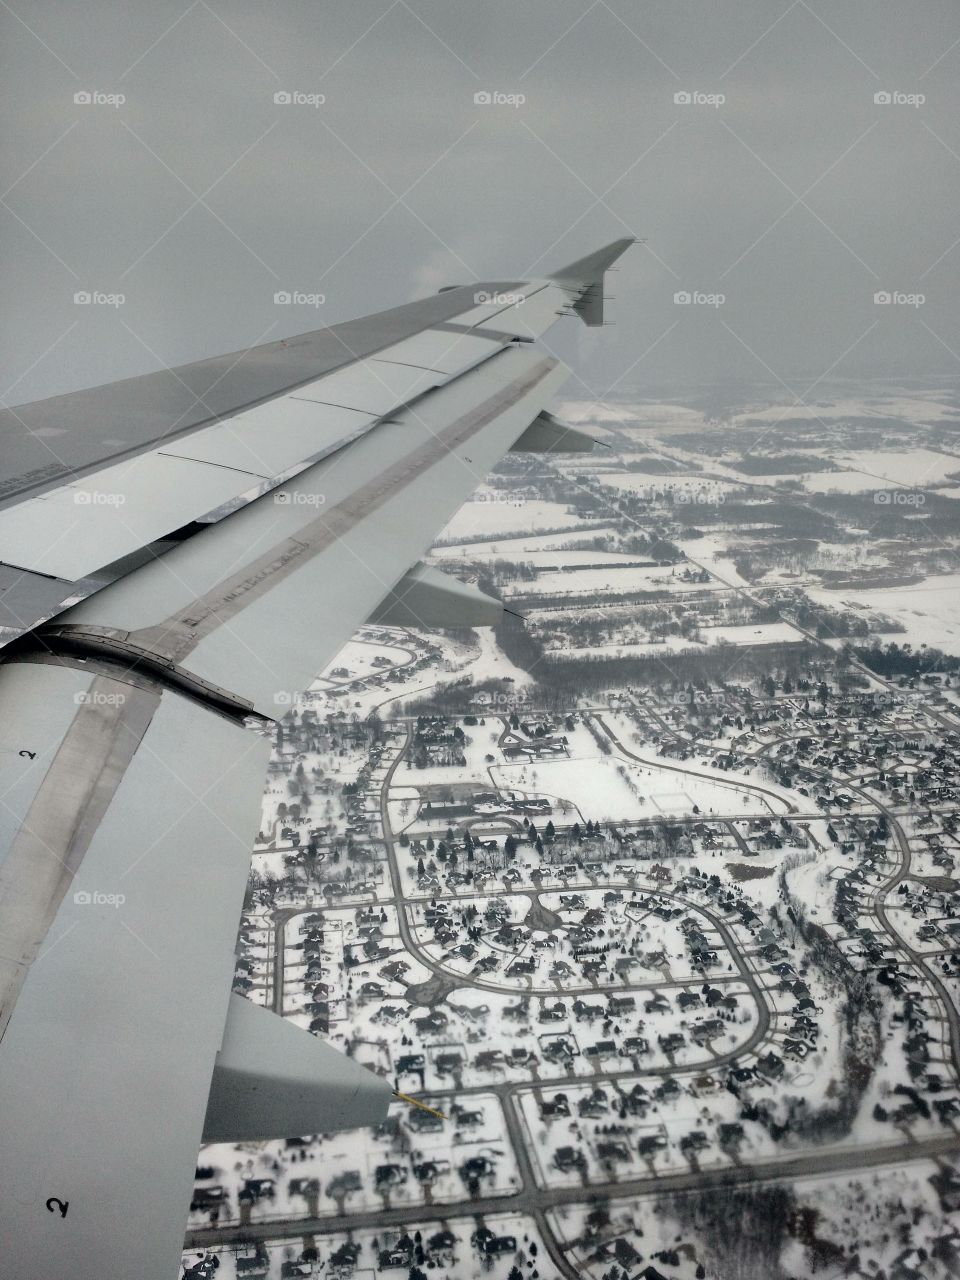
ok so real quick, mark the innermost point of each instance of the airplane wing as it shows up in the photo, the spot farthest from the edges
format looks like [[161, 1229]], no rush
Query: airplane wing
[[179, 554]]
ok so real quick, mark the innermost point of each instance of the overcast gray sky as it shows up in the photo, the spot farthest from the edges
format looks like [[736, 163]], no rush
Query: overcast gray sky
[[798, 197]]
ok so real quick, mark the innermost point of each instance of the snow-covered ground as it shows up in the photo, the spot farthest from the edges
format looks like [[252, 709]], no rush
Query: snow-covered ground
[[843, 482], [602, 787], [492, 512], [929, 611], [767, 633], [914, 467], [652, 578]]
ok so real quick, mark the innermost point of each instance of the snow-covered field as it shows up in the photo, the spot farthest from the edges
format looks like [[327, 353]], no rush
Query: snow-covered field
[[694, 490], [653, 578], [712, 550], [915, 467], [929, 611], [636, 413], [491, 513], [768, 633], [606, 786], [843, 482]]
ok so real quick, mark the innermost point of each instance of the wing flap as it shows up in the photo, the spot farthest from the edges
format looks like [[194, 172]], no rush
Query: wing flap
[[272, 439], [451, 353]]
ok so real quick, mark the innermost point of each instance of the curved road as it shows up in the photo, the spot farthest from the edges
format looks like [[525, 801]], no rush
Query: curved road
[[693, 773]]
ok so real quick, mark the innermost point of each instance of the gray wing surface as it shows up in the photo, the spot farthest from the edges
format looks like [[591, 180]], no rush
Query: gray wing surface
[[257, 530]]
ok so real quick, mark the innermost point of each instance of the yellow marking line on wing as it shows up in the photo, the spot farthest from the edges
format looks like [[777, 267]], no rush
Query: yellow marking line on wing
[[415, 1102]]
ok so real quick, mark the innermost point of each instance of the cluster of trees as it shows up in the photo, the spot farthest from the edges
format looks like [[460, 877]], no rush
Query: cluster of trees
[[894, 659], [828, 623], [743, 1229]]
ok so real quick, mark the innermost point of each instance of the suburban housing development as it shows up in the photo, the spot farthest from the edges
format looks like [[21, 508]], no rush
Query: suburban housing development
[[650, 893]]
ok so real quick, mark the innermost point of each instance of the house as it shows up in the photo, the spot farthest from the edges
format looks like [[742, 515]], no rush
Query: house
[[594, 1104], [650, 1144], [708, 1030], [553, 1013], [389, 1175], [602, 1049], [398, 1256], [495, 1245], [423, 1121], [435, 1020], [568, 1158], [730, 1135], [466, 1119], [625, 1253], [448, 1062], [634, 1046], [205, 1198], [256, 1189], [770, 1066], [617, 1006], [256, 1264], [946, 1183], [410, 1062], [695, 1140], [558, 1049], [613, 1152], [475, 1168], [345, 1258], [442, 1242]]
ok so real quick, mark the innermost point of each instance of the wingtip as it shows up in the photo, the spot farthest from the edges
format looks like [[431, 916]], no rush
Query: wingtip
[[594, 264]]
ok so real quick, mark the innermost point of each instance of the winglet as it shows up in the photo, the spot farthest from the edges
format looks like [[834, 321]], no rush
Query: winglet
[[584, 279]]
